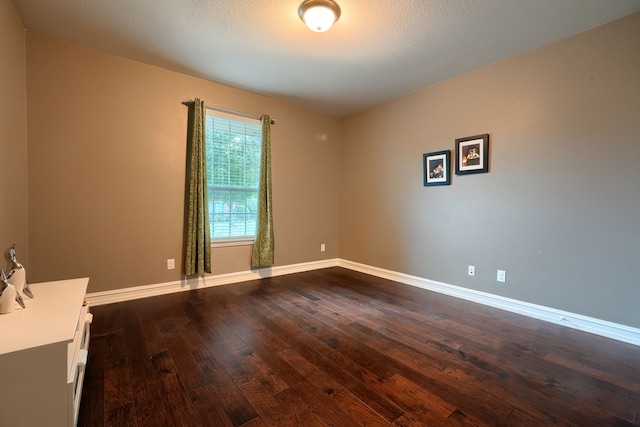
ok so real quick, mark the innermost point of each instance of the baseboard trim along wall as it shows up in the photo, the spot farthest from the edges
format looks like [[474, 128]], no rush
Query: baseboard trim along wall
[[603, 328], [126, 294], [576, 321]]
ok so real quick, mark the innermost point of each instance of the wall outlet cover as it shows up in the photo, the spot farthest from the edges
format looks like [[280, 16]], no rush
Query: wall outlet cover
[[501, 276]]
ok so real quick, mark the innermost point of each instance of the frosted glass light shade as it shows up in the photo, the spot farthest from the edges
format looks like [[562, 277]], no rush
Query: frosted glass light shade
[[319, 15]]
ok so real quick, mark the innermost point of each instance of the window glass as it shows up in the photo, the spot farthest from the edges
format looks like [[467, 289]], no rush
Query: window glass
[[233, 175]]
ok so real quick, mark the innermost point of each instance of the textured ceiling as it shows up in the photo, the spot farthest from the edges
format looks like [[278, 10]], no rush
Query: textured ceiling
[[378, 50]]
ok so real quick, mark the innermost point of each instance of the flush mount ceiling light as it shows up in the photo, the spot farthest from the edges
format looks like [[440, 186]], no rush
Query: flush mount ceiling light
[[319, 15]]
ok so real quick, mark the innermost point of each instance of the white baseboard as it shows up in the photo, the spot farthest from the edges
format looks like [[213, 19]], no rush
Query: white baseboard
[[603, 328], [126, 294]]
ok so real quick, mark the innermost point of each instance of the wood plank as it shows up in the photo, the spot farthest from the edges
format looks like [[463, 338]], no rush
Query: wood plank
[[206, 400], [227, 393], [149, 407], [321, 350], [298, 411], [258, 371], [117, 375], [317, 399], [178, 408], [270, 411], [121, 416]]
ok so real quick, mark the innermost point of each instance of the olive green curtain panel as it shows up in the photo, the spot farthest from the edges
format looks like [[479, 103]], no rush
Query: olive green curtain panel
[[197, 239], [263, 246]]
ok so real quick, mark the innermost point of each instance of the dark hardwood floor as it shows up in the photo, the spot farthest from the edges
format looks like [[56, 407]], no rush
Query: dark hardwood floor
[[339, 348]]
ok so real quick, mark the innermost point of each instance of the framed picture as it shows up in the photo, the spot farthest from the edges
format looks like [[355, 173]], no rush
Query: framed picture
[[472, 154], [437, 168]]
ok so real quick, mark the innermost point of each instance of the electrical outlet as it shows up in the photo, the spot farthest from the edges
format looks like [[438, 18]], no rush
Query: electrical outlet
[[322, 247], [501, 276], [171, 264], [472, 270]]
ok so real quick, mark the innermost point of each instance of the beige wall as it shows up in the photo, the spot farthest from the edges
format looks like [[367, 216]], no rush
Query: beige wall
[[559, 209], [13, 137], [106, 169]]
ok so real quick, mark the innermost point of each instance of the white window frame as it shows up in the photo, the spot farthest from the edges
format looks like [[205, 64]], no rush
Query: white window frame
[[231, 240]]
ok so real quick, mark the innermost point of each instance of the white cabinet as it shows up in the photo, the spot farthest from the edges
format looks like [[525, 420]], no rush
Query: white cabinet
[[43, 353]]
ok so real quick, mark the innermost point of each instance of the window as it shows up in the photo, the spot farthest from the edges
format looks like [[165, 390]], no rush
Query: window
[[233, 175]]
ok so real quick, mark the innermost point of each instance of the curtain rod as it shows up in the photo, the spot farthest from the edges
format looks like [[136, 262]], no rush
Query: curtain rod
[[224, 110]]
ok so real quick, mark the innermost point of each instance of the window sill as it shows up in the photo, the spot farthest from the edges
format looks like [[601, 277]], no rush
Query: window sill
[[228, 243]]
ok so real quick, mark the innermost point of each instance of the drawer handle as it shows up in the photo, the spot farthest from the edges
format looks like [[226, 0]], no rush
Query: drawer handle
[[82, 357]]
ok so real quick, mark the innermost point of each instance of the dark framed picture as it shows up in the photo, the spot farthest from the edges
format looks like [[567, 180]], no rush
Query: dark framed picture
[[437, 168], [472, 154]]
